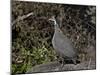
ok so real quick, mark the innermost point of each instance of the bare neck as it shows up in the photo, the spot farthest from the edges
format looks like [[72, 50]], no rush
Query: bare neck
[[56, 25]]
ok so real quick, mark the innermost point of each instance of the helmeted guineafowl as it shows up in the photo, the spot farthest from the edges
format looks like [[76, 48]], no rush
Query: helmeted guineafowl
[[62, 45]]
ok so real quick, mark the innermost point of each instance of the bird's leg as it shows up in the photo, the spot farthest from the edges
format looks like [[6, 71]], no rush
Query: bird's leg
[[61, 60], [74, 61]]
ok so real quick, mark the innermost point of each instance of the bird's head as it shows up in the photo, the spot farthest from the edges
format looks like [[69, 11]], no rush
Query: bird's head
[[53, 20]]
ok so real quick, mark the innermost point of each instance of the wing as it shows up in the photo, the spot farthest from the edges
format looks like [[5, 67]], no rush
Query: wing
[[63, 45]]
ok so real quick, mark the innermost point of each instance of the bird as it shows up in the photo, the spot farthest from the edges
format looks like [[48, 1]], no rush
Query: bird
[[62, 44]]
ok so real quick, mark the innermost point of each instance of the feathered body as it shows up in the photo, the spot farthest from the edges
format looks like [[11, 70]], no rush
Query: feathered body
[[63, 45]]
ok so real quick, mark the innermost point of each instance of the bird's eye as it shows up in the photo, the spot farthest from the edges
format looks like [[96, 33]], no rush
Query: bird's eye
[[52, 22]]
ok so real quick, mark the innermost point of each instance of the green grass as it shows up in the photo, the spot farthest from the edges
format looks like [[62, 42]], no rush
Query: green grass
[[32, 57]]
